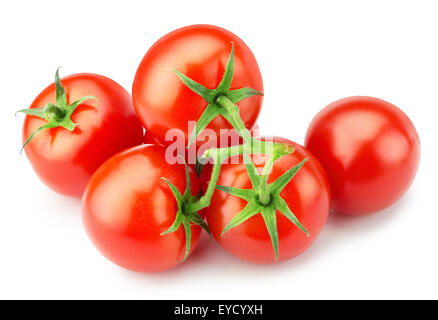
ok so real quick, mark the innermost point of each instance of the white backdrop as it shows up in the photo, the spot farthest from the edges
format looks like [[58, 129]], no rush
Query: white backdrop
[[310, 54]]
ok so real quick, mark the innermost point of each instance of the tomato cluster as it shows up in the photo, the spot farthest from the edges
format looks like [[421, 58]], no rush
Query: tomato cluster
[[264, 199]]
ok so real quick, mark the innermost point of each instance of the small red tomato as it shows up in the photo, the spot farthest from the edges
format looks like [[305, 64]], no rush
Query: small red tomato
[[307, 195], [127, 206], [201, 52], [370, 151], [100, 126]]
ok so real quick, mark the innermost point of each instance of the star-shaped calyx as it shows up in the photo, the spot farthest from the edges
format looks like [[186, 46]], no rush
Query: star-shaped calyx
[[211, 96], [58, 114], [183, 217], [268, 206]]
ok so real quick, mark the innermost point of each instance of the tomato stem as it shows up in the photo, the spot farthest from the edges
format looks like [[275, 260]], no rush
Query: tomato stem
[[183, 216], [232, 115], [250, 146], [58, 114], [204, 201], [263, 190], [54, 112]]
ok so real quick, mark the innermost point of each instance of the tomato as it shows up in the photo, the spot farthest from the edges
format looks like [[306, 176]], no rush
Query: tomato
[[370, 151], [307, 195], [201, 52], [127, 205], [65, 160]]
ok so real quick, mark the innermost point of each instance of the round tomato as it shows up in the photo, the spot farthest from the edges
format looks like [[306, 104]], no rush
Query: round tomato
[[65, 160], [307, 195], [369, 149], [127, 206], [163, 102]]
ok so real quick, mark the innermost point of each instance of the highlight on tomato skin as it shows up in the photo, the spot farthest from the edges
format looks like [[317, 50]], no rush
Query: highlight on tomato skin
[[307, 195], [163, 102], [127, 206], [370, 151], [65, 160]]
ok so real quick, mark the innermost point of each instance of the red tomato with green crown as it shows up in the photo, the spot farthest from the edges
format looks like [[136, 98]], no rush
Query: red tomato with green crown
[[163, 102], [132, 215], [307, 195], [72, 127]]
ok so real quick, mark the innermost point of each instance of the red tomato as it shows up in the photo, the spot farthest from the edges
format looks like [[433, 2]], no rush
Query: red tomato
[[307, 195], [369, 149], [127, 205], [201, 52], [65, 160]]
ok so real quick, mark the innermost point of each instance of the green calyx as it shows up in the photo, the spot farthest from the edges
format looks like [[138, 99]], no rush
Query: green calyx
[[215, 99], [56, 115], [183, 217], [267, 204]]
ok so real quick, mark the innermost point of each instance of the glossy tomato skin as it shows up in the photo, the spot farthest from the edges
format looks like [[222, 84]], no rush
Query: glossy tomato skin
[[201, 52], [370, 151], [127, 205], [307, 195], [65, 160]]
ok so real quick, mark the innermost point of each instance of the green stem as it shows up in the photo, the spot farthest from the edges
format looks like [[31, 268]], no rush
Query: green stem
[[204, 201], [264, 196], [233, 117], [278, 151], [254, 147], [250, 146], [55, 112]]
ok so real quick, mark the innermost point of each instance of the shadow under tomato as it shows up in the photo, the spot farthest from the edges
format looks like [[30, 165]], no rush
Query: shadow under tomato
[[338, 229], [210, 259], [341, 228]]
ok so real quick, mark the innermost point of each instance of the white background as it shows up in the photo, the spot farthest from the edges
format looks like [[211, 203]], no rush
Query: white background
[[310, 54]]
